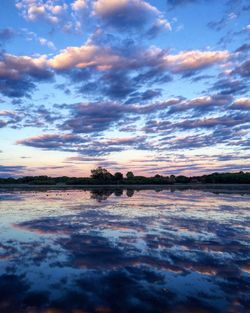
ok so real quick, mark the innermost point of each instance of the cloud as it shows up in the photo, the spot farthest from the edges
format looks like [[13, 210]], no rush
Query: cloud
[[128, 141], [33, 10], [103, 58], [241, 104], [200, 104], [13, 66], [128, 73], [93, 117], [59, 14], [39, 116], [191, 142], [6, 34], [104, 70], [150, 94], [46, 42], [212, 123], [174, 3], [79, 5], [230, 86], [243, 69], [10, 171], [9, 118], [52, 141], [87, 146], [243, 48], [130, 15], [83, 159], [88, 55], [220, 24], [190, 61], [18, 74]]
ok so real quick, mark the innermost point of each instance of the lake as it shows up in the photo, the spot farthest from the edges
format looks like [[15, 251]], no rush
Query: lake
[[115, 251]]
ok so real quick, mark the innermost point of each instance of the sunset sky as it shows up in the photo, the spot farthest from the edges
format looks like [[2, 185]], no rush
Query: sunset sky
[[157, 86]]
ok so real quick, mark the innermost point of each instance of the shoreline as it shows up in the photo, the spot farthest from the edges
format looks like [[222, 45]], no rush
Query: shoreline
[[226, 188]]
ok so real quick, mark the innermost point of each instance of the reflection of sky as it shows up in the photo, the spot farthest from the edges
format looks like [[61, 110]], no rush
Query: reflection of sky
[[100, 252]]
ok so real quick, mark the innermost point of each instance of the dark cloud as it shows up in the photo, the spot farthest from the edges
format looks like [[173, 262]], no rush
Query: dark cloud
[[206, 123], [225, 120], [82, 145], [108, 72], [10, 171], [132, 15], [228, 86], [26, 116], [241, 104], [222, 23], [231, 157], [10, 118], [117, 85], [175, 3], [150, 94], [52, 141], [243, 69], [18, 75], [83, 159], [99, 116], [192, 142], [16, 88], [39, 116], [6, 34], [243, 48], [94, 117], [125, 84], [201, 105], [3, 124]]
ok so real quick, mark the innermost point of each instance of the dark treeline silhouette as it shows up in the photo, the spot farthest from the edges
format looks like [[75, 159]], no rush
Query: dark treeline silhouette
[[101, 176]]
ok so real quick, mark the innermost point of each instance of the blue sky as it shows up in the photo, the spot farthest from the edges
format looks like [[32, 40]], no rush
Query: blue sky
[[149, 86]]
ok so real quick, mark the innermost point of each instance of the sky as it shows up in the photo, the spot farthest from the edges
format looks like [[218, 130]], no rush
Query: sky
[[156, 87]]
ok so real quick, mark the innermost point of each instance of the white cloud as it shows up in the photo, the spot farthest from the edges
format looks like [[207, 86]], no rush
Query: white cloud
[[48, 43], [78, 5]]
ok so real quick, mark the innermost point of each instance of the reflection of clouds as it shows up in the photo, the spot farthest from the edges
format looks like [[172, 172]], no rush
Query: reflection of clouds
[[246, 269], [92, 252], [148, 253], [10, 197], [12, 289]]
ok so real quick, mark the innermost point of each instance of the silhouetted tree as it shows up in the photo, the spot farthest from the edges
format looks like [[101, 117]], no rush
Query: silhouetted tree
[[103, 177], [158, 176], [172, 179], [101, 174], [130, 175], [118, 176], [182, 179]]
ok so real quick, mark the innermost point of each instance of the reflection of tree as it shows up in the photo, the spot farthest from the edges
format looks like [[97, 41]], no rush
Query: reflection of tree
[[101, 194], [118, 192], [104, 194], [130, 192]]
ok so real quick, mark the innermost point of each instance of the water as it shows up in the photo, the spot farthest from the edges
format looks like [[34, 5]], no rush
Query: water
[[115, 251]]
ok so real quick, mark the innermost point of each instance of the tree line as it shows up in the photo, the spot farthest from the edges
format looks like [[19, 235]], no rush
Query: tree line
[[101, 176]]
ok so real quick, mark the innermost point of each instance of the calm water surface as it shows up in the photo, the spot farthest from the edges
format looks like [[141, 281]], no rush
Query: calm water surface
[[124, 251]]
